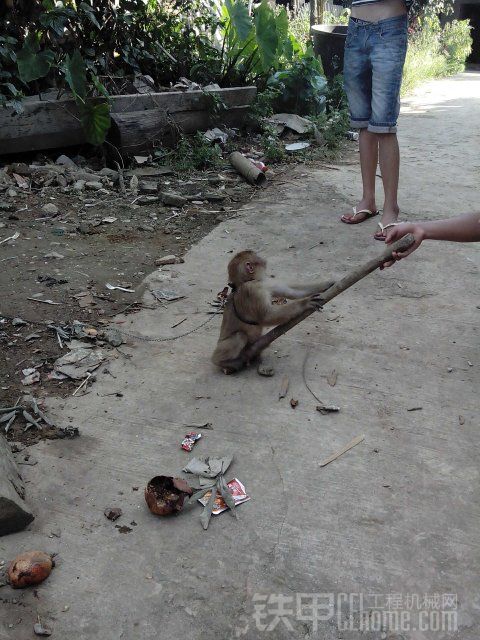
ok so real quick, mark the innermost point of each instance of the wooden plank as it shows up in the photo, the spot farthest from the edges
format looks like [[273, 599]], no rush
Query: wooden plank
[[14, 513], [131, 134], [49, 124], [174, 101]]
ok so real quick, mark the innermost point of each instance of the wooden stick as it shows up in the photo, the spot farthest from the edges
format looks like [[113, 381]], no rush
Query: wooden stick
[[340, 452], [251, 351]]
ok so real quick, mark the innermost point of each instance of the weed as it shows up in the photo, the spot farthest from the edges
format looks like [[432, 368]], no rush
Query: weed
[[192, 153], [273, 148]]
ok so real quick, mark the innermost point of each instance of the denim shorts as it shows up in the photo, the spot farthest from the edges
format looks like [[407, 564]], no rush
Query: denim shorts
[[373, 65]]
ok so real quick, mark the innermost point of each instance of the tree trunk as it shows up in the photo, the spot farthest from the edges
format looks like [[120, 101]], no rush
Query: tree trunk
[[317, 9]]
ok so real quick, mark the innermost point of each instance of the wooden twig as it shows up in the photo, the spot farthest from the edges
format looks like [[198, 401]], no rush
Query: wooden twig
[[340, 452], [251, 351], [121, 181]]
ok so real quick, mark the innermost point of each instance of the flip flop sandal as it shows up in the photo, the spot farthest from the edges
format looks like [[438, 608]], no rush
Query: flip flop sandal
[[367, 212], [379, 235]]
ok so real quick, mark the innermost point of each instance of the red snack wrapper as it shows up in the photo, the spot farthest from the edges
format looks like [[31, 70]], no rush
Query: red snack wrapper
[[189, 440]]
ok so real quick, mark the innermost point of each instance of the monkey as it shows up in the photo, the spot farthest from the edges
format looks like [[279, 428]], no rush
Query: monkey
[[249, 309]]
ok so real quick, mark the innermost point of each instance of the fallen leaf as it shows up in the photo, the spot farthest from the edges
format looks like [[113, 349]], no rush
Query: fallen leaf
[[283, 387], [332, 378]]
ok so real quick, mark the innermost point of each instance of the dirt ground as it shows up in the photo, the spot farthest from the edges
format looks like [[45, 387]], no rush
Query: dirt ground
[[94, 252]]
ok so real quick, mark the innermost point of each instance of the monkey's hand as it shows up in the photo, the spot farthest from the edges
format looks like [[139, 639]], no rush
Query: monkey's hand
[[314, 302]]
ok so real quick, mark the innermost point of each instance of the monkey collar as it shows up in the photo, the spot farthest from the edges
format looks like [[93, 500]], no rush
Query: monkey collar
[[235, 310]]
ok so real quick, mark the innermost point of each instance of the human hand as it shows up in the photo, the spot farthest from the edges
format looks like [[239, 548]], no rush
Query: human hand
[[399, 231]]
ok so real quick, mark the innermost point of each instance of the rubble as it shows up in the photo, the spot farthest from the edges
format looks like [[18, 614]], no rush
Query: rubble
[[173, 199], [161, 262], [78, 363]]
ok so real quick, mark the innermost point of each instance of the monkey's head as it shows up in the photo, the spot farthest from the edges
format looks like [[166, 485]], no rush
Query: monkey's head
[[245, 266]]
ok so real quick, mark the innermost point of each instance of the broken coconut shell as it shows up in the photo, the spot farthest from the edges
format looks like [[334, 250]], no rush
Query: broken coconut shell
[[29, 568], [165, 495]]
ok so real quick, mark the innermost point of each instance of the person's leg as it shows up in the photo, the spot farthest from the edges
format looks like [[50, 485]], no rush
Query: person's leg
[[389, 154], [357, 73], [368, 144], [388, 50]]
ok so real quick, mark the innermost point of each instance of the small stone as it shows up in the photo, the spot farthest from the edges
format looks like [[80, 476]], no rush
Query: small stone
[[66, 162], [161, 262], [214, 197], [50, 208], [18, 322], [53, 255], [11, 193], [93, 186], [79, 185], [7, 206], [113, 337], [84, 228], [113, 513], [173, 199], [110, 173], [40, 630], [147, 187]]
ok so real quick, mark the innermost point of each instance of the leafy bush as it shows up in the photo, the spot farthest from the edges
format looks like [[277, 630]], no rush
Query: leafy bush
[[457, 44], [162, 39], [331, 18], [334, 123], [251, 45], [302, 87], [435, 52]]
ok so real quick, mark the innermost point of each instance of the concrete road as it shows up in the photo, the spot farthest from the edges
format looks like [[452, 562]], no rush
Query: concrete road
[[381, 543]]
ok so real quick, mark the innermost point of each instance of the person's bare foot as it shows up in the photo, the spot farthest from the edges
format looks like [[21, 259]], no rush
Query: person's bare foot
[[389, 216], [361, 212]]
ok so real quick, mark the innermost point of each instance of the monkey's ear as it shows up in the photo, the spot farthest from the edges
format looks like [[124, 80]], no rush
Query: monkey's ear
[[249, 267]]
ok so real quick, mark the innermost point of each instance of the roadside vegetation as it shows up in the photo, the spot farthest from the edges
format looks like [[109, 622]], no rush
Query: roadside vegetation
[[95, 50]]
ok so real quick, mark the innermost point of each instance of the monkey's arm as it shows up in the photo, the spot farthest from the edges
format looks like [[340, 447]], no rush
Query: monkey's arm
[[253, 302], [295, 291]]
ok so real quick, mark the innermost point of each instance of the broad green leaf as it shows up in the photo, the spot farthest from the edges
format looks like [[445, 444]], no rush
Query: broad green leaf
[[95, 120], [240, 20], [54, 20], [31, 64], [267, 37], [100, 87], [76, 75], [89, 13], [281, 23]]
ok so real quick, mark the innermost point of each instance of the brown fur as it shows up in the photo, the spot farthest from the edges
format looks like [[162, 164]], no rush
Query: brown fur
[[253, 302]]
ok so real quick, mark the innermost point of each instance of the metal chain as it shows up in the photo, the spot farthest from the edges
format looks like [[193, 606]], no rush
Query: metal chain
[[137, 337], [181, 335]]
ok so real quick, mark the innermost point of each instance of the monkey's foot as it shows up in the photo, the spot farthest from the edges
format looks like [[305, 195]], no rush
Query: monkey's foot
[[232, 366], [265, 370]]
